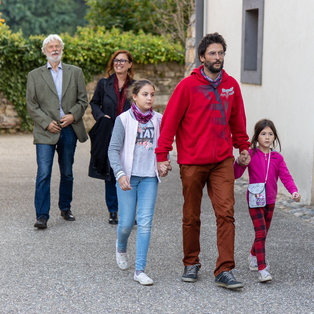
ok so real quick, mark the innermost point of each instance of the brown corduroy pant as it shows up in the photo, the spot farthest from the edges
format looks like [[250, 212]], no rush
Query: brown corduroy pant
[[219, 178]]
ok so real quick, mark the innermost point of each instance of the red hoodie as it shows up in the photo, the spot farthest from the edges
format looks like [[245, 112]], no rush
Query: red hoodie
[[205, 129]]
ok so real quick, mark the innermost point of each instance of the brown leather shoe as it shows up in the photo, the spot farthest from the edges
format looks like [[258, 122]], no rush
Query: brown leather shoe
[[67, 215]]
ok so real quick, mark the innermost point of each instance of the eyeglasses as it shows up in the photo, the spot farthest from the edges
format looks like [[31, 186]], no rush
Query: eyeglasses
[[214, 53], [121, 61]]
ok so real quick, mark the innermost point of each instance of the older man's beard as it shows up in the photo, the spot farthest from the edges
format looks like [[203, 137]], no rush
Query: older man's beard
[[210, 66], [54, 58]]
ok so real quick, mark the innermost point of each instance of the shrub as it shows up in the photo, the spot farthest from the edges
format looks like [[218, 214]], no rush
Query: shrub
[[89, 49]]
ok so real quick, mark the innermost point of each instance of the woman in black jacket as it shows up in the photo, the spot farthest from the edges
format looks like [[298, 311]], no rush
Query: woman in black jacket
[[109, 100]]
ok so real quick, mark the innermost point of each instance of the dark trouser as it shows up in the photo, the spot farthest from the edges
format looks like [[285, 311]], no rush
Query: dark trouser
[[261, 218], [219, 178], [45, 154], [111, 196]]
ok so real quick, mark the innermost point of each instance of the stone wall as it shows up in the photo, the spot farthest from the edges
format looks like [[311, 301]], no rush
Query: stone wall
[[9, 120], [190, 58], [165, 76]]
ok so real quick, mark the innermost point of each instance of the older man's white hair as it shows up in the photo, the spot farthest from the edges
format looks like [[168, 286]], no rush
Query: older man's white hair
[[50, 38]]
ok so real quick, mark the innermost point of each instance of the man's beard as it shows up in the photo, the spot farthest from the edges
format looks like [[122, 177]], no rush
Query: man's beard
[[210, 66], [54, 59]]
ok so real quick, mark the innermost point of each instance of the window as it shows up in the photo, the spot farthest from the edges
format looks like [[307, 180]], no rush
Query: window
[[252, 41]]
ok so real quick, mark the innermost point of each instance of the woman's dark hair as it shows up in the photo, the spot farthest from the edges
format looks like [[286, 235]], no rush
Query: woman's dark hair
[[259, 127], [137, 85], [209, 39], [110, 69]]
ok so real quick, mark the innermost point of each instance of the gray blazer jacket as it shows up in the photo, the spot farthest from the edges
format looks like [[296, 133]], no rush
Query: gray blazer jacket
[[43, 102]]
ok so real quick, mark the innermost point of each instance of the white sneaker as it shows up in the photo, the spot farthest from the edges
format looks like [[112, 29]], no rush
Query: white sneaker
[[143, 279], [122, 259], [264, 275], [253, 266], [252, 263]]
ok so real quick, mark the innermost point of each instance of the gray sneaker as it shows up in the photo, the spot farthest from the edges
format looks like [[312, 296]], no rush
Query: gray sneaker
[[227, 280], [253, 263], [190, 273], [264, 275]]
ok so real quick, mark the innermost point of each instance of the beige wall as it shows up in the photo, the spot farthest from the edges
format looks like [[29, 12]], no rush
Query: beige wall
[[285, 95]]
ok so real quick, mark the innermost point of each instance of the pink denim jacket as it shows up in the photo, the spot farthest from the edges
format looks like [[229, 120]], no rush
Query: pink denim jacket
[[257, 173]]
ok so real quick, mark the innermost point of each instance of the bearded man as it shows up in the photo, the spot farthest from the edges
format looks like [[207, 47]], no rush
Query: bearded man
[[56, 101], [206, 114]]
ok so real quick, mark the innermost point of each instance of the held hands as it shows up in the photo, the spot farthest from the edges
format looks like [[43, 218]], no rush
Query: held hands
[[124, 183], [163, 167], [55, 127], [66, 120], [296, 196], [244, 158]]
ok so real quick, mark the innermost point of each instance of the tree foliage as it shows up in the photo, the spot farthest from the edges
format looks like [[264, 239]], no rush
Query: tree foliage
[[1, 19], [174, 17], [156, 17], [35, 17], [123, 14]]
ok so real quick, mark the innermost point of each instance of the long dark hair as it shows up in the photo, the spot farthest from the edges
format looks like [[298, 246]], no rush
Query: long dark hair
[[110, 69], [259, 127]]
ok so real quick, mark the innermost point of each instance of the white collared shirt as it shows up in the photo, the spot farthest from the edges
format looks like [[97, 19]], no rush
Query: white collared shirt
[[57, 77]]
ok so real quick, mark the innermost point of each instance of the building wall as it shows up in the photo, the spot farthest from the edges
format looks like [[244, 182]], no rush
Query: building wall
[[287, 77]]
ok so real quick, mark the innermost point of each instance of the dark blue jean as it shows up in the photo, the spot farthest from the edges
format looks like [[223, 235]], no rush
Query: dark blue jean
[[111, 196], [45, 154]]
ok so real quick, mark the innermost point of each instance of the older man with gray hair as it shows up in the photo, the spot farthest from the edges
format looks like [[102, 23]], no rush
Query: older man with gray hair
[[56, 101]]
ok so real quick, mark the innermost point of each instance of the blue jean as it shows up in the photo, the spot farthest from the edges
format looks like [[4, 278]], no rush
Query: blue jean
[[111, 196], [143, 194], [45, 154]]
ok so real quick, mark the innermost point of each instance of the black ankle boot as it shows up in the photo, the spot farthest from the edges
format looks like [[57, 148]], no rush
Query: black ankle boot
[[113, 219]]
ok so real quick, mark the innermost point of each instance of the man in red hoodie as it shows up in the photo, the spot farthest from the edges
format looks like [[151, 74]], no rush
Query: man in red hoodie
[[206, 114]]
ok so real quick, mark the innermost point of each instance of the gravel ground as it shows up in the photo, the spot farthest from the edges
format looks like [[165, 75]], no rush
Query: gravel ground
[[70, 267]]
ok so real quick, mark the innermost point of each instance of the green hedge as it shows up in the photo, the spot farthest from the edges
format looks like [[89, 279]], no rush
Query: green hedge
[[89, 49]]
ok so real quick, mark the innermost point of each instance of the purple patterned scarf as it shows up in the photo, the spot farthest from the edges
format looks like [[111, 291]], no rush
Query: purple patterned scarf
[[140, 116]]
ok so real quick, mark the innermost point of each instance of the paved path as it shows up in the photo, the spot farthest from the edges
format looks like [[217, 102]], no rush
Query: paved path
[[70, 267]]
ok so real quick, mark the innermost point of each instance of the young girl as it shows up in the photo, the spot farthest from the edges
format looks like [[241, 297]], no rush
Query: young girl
[[132, 158], [265, 135]]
